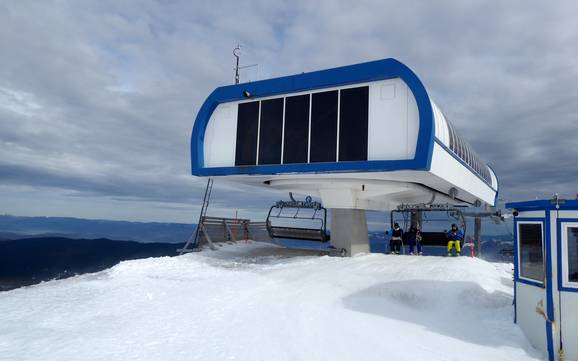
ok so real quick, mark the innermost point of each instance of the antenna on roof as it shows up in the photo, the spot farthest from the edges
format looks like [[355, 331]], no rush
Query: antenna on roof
[[237, 67], [238, 48]]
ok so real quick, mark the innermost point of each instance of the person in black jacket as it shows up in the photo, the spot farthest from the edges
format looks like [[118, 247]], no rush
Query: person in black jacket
[[395, 241]]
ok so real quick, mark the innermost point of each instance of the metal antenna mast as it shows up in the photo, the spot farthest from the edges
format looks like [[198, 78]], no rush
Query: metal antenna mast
[[238, 48], [237, 67]]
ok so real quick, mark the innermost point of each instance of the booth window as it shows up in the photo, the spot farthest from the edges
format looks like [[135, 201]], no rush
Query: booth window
[[296, 142], [324, 127], [247, 127], [353, 124], [271, 130], [531, 251], [572, 251]]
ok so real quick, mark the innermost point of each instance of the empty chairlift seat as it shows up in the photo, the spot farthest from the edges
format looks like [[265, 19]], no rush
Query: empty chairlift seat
[[306, 220]]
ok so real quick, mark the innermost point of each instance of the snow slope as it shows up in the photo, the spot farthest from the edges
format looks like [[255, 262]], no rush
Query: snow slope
[[243, 303]]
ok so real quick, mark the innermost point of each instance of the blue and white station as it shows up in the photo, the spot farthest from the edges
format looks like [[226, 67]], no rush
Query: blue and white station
[[360, 137], [546, 274]]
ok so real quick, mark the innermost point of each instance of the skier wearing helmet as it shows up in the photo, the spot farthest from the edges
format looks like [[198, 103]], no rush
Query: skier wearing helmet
[[455, 237]]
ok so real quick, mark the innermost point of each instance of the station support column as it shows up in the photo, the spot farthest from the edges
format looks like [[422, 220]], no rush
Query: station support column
[[477, 236], [416, 218], [349, 230]]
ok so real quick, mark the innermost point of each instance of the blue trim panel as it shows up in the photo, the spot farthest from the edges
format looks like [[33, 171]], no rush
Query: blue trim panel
[[530, 283], [515, 271], [549, 288], [515, 302], [445, 147], [559, 261], [544, 204], [351, 74]]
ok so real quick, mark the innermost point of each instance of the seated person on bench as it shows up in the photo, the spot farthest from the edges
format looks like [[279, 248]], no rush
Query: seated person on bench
[[455, 237]]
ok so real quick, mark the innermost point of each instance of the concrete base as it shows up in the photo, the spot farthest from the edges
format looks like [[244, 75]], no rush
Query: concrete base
[[349, 230]]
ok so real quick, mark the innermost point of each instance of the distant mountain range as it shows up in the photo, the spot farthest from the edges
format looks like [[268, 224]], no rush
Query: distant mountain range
[[28, 261], [35, 249], [15, 227]]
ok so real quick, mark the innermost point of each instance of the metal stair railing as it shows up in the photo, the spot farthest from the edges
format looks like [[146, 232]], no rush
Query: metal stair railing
[[193, 239]]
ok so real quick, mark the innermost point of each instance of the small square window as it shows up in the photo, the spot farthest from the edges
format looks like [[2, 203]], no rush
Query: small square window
[[531, 251]]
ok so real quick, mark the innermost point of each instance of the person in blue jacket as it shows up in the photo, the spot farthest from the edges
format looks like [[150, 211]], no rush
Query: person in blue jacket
[[455, 238], [418, 239], [411, 237]]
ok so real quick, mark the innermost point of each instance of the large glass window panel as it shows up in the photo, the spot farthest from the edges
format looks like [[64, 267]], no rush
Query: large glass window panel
[[324, 127], [271, 131], [247, 127], [353, 123], [531, 254], [572, 252], [296, 142]]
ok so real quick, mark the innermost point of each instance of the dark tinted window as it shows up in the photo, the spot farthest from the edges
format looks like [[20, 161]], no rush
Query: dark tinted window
[[572, 252], [271, 128], [247, 123], [353, 114], [296, 143], [324, 127], [531, 262]]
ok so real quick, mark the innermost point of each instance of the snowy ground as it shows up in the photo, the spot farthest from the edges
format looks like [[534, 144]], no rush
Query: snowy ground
[[244, 303]]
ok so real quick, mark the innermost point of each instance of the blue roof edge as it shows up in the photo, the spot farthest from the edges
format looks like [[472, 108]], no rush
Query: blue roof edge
[[543, 204]]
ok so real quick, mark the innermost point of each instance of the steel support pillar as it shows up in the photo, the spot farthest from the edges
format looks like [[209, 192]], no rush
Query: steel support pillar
[[349, 230], [477, 236]]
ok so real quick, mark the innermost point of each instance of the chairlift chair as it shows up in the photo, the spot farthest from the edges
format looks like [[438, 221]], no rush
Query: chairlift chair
[[305, 233], [432, 238]]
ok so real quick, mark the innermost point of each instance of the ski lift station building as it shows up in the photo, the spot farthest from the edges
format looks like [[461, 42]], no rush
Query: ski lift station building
[[360, 137], [546, 274]]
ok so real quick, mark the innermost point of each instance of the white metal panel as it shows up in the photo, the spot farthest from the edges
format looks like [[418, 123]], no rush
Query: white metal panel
[[568, 214], [442, 131], [569, 318], [532, 324], [220, 136], [494, 178], [555, 273], [393, 121], [456, 174], [532, 214], [412, 124]]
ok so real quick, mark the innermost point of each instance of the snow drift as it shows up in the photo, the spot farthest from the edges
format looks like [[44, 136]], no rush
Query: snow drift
[[247, 302]]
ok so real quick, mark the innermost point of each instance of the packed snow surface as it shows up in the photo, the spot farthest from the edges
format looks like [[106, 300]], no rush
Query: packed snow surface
[[251, 302]]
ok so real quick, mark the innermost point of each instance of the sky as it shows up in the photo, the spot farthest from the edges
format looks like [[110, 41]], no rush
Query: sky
[[98, 98]]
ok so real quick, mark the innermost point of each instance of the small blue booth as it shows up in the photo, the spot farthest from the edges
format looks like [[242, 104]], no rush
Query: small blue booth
[[546, 274]]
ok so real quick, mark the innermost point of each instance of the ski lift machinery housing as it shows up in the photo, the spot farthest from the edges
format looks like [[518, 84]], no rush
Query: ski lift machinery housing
[[360, 137]]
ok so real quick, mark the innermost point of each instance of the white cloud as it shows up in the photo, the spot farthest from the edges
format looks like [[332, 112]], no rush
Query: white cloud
[[98, 98]]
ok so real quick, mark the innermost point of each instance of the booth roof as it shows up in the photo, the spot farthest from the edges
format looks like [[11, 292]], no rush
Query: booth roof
[[544, 204]]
